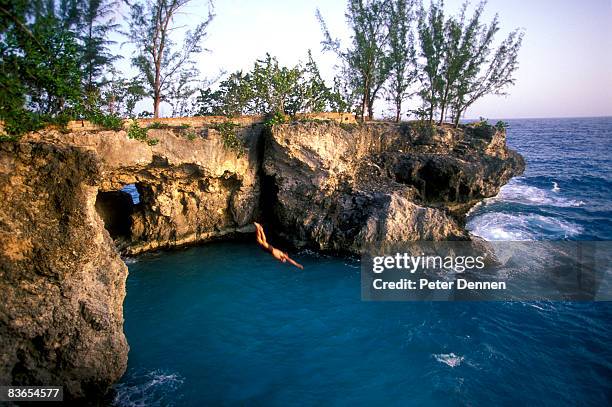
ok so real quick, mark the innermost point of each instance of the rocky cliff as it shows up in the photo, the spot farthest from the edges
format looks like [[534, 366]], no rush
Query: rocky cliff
[[325, 185], [328, 185], [192, 188], [339, 187], [61, 279]]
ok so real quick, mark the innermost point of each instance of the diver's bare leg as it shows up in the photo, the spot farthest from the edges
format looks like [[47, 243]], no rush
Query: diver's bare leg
[[261, 237]]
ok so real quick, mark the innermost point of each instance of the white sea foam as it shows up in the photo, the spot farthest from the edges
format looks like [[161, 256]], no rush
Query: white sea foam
[[475, 208], [520, 227], [147, 390], [517, 192], [130, 260], [449, 359], [524, 226]]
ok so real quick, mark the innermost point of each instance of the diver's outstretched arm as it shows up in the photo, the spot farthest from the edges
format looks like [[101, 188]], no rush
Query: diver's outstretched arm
[[295, 263]]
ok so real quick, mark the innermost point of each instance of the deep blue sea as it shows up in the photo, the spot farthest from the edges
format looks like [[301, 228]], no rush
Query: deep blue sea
[[225, 324]]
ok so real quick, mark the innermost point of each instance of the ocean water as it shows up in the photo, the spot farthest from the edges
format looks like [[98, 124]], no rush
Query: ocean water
[[225, 324], [566, 190]]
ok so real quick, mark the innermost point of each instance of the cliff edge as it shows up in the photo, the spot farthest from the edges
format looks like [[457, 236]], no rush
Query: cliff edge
[[341, 187]]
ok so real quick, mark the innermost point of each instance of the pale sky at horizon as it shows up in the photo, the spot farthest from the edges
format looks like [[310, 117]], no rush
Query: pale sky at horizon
[[565, 64]]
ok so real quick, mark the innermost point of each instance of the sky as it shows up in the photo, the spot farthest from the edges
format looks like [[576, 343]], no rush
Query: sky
[[565, 63]]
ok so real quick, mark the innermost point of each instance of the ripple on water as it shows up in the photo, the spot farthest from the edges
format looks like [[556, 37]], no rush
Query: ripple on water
[[153, 388]]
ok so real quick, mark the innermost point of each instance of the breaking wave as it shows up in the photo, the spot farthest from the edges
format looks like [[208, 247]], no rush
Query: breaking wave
[[517, 192], [523, 212], [520, 227], [555, 187]]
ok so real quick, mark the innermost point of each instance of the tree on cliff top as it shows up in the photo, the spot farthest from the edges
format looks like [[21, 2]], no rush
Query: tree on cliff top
[[271, 88], [158, 58], [53, 52], [491, 74], [365, 63], [459, 64], [40, 76], [402, 53], [431, 52], [97, 22]]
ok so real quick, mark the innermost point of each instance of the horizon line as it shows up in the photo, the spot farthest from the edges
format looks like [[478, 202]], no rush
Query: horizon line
[[543, 117]]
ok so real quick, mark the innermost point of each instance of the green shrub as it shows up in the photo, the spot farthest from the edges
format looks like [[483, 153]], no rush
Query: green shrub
[[107, 121], [158, 125], [8, 137], [424, 128], [136, 132], [482, 122], [140, 133], [482, 128], [61, 120], [228, 135], [274, 119], [20, 121], [186, 130], [191, 134]]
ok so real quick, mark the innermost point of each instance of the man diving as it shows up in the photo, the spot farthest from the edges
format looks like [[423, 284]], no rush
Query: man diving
[[278, 254]]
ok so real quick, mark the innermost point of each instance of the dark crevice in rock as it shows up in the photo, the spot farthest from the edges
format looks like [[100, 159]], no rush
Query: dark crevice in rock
[[94, 319], [20, 373], [159, 161], [268, 195], [116, 208]]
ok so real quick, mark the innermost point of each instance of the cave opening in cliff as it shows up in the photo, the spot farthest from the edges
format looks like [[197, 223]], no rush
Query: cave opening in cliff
[[116, 209]]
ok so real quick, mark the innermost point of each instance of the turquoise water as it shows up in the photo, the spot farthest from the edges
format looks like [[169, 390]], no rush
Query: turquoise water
[[224, 324]]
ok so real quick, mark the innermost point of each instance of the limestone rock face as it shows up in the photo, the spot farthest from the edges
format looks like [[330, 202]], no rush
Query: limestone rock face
[[191, 189], [324, 184], [61, 279], [338, 187]]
